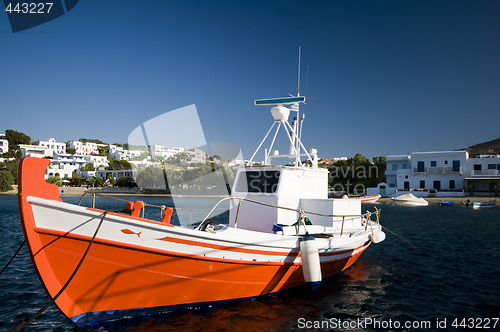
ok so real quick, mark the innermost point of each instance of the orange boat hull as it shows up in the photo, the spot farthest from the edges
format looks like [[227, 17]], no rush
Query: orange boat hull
[[118, 279]]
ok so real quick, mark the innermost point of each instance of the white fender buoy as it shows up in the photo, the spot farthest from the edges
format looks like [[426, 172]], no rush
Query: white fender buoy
[[311, 267], [377, 237]]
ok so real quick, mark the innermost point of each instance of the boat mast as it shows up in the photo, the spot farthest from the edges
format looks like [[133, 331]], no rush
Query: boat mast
[[280, 114]]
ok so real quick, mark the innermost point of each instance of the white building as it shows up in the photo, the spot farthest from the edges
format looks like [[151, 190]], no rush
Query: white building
[[98, 161], [52, 146], [64, 165], [231, 163], [4, 144], [119, 153], [33, 151], [43, 149], [84, 148], [87, 174], [442, 171], [106, 174], [145, 163], [159, 151], [195, 156], [484, 174]]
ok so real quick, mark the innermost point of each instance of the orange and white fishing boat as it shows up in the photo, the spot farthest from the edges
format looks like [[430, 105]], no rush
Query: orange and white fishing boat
[[367, 199], [282, 232]]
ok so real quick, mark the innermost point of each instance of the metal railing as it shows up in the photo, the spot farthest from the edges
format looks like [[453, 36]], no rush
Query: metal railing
[[438, 170], [302, 213], [366, 217], [485, 172], [144, 205]]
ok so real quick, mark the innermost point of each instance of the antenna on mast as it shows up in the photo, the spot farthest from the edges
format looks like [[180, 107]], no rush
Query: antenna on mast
[[298, 80]]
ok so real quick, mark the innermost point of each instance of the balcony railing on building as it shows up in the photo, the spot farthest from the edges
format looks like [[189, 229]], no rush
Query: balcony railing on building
[[485, 172], [438, 170]]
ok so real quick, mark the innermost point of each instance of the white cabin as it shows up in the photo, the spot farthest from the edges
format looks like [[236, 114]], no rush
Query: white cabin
[[294, 187]]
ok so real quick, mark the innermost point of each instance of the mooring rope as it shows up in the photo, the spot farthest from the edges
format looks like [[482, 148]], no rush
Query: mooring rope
[[22, 325], [405, 240], [19, 249]]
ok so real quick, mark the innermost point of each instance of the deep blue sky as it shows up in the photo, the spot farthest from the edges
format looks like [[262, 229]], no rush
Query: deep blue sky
[[385, 77]]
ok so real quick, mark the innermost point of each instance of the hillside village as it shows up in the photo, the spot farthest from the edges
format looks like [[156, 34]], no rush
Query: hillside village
[[95, 163]]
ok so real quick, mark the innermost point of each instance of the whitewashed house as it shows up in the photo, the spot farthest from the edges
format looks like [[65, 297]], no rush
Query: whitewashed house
[[64, 165], [119, 153], [98, 161], [449, 172], [84, 148], [36, 151], [42, 149], [106, 174], [484, 174], [159, 151], [52, 146], [195, 156], [4, 144]]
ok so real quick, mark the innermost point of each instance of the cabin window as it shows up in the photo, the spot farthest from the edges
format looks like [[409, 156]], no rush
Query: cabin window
[[258, 182]]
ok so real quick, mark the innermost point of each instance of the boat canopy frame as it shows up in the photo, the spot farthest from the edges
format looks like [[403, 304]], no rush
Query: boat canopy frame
[[296, 145]]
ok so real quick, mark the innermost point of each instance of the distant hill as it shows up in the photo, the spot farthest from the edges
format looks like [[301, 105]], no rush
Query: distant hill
[[491, 147]]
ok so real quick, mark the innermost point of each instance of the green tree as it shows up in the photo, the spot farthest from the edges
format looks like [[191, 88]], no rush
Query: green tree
[[12, 167], [178, 159], [95, 181], [88, 167], [112, 179], [103, 150], [54, 180], [126, 182], [119, 165], [15, 138], [152, 178], [91, 140], [356, 174], [6, 181]]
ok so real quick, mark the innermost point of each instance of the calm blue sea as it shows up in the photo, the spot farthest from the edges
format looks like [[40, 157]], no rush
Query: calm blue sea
[[452, 280]]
